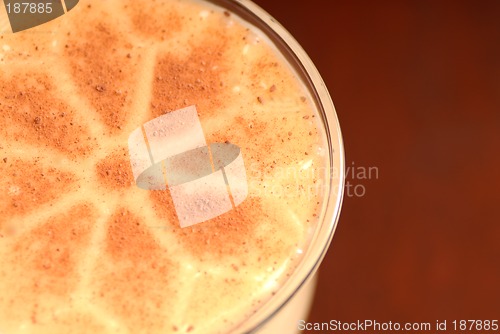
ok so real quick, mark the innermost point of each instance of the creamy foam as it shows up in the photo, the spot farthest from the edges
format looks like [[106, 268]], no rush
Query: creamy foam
[[86, 251]]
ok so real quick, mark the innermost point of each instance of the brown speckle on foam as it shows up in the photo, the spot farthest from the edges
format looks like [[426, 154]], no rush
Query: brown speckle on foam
[[51, 252], [131, 278], [100, 70], [134, 268], [31, 115], [114, 171], [128, 240], [158, 20], [23, 193], [229, 234], [189, 81], [55, 248]]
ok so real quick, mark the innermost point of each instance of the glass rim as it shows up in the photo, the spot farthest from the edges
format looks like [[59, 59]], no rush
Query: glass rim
[[323, 234]]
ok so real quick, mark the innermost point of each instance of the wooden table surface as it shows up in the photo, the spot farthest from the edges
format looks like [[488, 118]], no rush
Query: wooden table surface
[[416, 85]]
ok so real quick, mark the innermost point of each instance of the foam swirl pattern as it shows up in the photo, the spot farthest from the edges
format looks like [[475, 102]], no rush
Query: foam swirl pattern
[[82, 248]]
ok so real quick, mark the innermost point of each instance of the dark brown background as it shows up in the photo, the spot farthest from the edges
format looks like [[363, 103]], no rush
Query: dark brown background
[[416, 85]]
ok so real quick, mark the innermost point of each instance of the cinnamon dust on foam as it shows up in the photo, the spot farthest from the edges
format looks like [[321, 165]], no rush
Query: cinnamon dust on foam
[[96, 259]]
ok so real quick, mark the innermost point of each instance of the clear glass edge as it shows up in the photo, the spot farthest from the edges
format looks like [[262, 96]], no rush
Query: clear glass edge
[[325, 232]]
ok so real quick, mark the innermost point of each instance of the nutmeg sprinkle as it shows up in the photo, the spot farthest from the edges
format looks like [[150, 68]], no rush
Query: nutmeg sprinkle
[[82, 241]]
